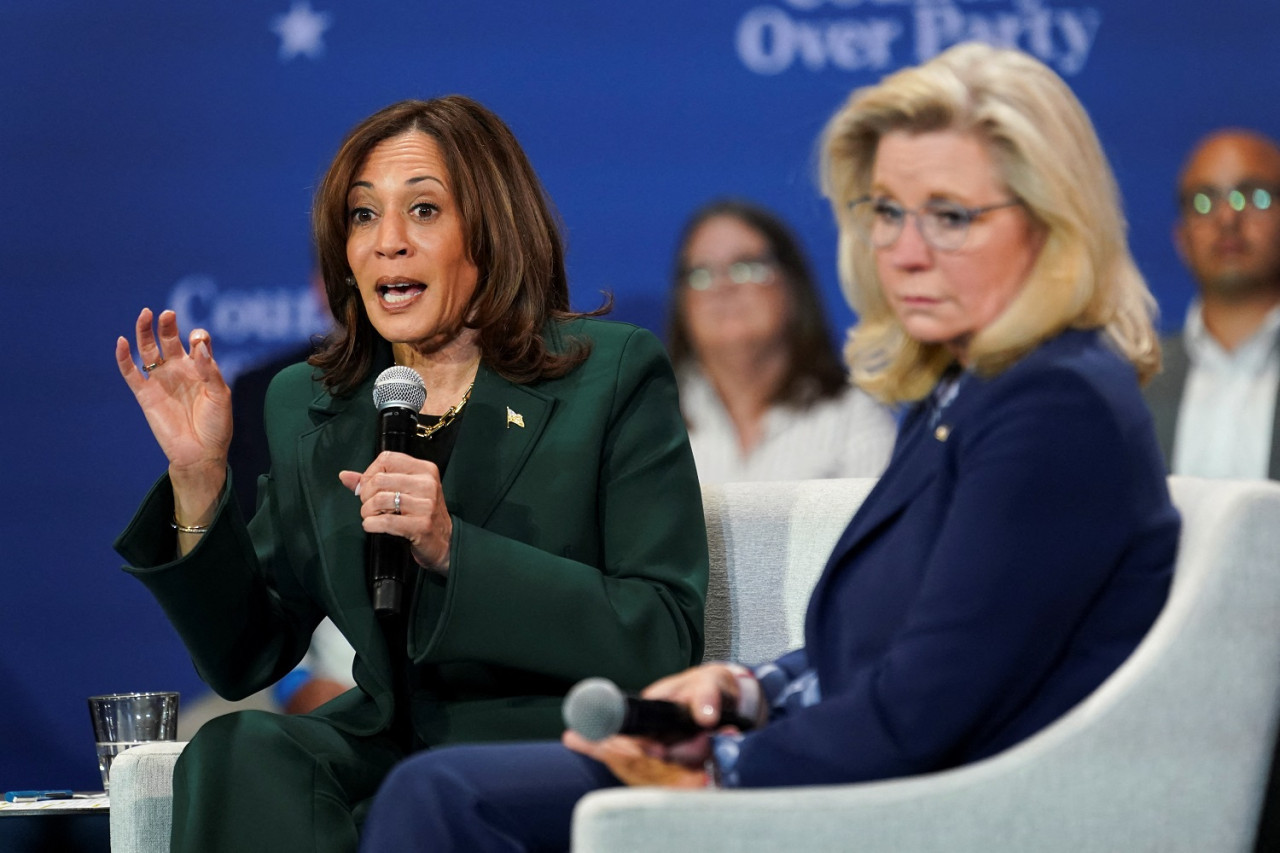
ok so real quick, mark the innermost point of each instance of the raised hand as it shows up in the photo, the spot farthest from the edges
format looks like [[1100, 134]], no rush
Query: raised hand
[[187, 404]]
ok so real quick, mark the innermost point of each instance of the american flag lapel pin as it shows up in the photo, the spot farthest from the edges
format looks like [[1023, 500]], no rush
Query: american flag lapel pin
[[514, 417]]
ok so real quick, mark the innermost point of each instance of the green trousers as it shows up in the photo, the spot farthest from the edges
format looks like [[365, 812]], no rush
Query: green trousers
[[254, 780]]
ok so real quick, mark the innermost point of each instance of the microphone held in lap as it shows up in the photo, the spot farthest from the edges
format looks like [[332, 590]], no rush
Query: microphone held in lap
[[596, 709]]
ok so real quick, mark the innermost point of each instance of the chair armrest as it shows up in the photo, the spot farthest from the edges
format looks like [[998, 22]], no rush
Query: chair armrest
[[929, 815], [142, 797]]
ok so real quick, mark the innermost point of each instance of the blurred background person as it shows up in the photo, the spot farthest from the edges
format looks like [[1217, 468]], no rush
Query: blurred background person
[[1216, 405], [761, 387], [1021, 541], [525, 570]]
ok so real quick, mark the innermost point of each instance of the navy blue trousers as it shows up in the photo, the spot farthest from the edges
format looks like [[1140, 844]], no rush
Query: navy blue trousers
[[489, 797]]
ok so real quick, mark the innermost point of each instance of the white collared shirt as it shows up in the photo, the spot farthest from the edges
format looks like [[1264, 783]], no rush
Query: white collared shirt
[[1228, 402], [850, 435]]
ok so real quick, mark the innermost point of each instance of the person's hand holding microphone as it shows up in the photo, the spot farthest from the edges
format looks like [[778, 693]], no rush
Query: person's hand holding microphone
[[664, 737]]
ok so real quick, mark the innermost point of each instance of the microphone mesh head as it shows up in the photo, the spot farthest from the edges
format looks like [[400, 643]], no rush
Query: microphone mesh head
[[595, 708], [399, 386]]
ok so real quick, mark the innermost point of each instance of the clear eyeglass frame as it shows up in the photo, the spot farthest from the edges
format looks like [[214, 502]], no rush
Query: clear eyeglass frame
[[944, 225], [1203, 201], [746, 271]]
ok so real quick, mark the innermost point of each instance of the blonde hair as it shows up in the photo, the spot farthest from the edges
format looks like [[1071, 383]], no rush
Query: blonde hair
[[1047, 153]]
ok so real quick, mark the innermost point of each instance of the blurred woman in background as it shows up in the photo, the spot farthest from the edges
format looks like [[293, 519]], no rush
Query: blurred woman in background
[[761, 388]]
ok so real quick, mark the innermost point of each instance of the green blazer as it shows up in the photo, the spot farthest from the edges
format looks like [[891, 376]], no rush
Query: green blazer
[[579, 549]]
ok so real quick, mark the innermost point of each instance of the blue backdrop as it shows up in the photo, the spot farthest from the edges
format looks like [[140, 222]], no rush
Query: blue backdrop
[[164, 154]]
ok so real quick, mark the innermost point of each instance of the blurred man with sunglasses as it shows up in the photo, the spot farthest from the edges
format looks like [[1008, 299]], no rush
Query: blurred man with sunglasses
[[1215, 404]]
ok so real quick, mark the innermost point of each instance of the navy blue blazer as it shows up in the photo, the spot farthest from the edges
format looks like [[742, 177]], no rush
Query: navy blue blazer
[[1015, 551]]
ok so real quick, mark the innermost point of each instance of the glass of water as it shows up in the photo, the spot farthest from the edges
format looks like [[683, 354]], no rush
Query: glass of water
[[122, 720]]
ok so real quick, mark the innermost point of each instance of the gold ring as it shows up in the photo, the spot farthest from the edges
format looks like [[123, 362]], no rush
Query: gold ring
[[397, 509], [147, 368]]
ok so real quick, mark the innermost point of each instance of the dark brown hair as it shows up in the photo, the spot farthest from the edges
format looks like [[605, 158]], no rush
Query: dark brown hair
[[510, 229], [813, 370]]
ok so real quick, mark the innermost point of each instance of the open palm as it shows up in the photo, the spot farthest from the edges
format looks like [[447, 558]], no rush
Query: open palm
[[185, 400]]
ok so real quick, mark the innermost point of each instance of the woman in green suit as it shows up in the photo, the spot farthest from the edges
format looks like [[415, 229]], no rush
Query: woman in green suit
[[549, 507]]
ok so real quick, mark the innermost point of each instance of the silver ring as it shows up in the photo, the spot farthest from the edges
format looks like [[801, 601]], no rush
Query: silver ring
[[397, 509], [147, 368]]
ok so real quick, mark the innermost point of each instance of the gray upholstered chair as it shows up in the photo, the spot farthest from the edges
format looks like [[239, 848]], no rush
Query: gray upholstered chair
[[142, 797], [1170, 754]]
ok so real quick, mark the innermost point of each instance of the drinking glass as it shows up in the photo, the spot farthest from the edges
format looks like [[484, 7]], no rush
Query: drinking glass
[[122, 720]]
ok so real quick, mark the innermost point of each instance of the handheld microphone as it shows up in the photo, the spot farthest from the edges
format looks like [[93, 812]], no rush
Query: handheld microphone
[[399, 393], [596, 709]]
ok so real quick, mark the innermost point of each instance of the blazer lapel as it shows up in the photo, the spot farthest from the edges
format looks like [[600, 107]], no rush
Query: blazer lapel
[[910, 469], [502, 424], [343, 439]]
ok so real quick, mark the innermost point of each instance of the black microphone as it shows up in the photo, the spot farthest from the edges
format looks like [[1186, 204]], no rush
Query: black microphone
[[596, 709], [399, 393]]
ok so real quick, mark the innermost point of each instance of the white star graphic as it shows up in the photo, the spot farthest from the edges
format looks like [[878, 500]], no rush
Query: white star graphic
[[301, 31]]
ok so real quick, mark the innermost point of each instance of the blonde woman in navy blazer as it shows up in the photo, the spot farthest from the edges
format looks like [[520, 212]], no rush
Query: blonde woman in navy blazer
[[1021, 541]]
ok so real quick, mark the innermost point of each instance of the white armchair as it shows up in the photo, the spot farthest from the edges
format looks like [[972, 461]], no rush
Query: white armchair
[[1169, 754]]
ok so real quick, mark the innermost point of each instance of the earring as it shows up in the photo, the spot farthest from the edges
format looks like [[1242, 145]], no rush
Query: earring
[[351, 281]]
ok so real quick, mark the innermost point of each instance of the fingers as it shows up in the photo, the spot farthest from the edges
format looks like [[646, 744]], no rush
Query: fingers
[[608, 750], [170, 338], [378, 494], [202, 354], [153, 350], [398, 494], [159, 341], [402, 513], [389, 500], [690, 753], [148, 350], [389, 473], [578, 743], [198, 337], [628, 759], [700, 689], [129, 370], [402, 496], [351, 479]]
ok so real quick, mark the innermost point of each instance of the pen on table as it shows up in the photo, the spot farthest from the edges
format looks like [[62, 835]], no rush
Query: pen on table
[[36, 796]]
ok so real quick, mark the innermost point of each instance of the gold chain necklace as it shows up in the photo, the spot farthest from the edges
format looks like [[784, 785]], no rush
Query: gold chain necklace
[[447, 418]]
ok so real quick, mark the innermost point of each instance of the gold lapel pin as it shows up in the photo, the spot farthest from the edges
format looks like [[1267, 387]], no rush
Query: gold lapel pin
[[514, 417], [942, 432]]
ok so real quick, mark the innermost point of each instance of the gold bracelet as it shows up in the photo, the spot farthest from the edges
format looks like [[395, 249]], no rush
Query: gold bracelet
[[196, 529]]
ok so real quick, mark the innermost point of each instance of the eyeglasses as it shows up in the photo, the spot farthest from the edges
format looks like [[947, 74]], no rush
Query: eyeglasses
[[944, 225], [747, 271], [1203, 201]]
